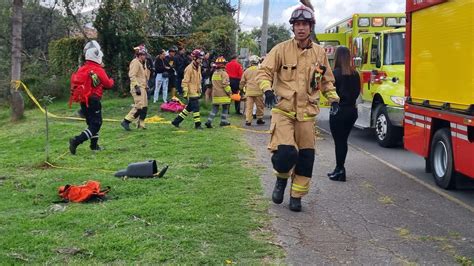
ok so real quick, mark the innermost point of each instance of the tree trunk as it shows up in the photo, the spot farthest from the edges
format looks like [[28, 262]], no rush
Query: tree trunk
[[16, 99]]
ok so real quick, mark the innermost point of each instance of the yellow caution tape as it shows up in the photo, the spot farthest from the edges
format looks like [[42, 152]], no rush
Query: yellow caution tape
[[76, 168], [19, 84]]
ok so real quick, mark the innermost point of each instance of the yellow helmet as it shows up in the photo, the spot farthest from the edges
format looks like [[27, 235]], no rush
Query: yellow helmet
[[221, 60]]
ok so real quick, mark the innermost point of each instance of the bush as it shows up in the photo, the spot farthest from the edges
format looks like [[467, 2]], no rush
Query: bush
[[65, 55]]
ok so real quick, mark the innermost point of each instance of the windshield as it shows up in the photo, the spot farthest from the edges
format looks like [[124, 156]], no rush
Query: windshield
[[394, 49]]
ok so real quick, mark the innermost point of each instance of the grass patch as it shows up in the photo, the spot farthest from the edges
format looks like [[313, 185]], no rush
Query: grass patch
[[207, 210]]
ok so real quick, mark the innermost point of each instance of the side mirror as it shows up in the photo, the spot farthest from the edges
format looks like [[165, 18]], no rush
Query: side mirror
[[357, 61]]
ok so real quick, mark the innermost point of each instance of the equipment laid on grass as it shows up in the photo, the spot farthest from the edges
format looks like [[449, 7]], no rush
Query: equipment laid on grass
[[174, 106], [148, 169], [89, 191]]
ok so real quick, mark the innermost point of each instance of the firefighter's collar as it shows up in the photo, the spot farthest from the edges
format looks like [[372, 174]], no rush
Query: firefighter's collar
[[310, 45]]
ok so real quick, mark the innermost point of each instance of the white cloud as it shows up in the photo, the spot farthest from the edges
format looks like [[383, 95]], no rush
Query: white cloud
[[251, 2], [331, 11]]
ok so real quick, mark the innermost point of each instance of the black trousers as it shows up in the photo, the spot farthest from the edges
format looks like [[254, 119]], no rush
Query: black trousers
[[93, 115], [341, 126], [235, 87]]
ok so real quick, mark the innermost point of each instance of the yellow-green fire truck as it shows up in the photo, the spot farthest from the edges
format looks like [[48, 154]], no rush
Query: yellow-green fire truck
[[377, 44]]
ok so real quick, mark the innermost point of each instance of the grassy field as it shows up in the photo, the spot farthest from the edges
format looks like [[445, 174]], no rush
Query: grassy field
[[207, 210]]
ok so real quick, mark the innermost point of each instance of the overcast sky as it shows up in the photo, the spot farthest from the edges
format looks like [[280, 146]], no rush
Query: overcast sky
[[327, 11]]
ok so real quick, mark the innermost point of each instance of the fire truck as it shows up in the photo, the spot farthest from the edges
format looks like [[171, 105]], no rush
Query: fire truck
[[377, 44], [439, 82]]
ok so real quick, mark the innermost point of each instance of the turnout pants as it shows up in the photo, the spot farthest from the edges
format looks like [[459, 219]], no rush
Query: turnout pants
[[258, 101], [292, 144], [93, 115], [140, 107], [215, 111], [192, 107]]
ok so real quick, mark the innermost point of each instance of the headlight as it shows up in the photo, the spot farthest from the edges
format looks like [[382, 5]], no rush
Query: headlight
[[398, 100]]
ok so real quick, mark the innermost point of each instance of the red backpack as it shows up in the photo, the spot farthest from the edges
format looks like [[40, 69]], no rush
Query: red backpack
[[82, 84], [91, 190]]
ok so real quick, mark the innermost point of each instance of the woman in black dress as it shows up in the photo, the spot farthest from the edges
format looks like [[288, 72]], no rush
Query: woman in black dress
[[348, 87]]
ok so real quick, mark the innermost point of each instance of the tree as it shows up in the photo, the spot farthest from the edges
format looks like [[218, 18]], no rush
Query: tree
[[276, 35], [120, 28], [16, 100], [247, 40], [216, 36]]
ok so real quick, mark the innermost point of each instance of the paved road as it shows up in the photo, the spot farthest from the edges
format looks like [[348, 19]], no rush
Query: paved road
[[379, 216], [402, 159]]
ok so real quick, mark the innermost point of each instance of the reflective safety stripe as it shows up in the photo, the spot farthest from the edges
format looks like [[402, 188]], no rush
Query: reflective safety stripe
[[222, 99], [299, 188], [292, 115], [281, 175], [216, 77], [265, 84], [227, 89], [331, 94]]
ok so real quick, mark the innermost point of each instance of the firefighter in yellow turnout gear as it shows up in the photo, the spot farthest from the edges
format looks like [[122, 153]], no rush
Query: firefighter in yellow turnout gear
[[221, 92], [192, 90], [252, 91], [139, 75], [298, 70]]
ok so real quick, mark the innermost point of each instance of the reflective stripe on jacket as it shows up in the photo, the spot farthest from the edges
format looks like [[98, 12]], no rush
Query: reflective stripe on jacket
[[220, 87]]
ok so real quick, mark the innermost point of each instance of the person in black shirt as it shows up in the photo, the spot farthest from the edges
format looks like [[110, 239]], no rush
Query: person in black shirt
[[181, 62], [348, 87], [170, 61], [162, 74]]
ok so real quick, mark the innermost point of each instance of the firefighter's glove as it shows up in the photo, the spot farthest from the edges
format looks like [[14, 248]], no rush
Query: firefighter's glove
[[334, 109], [137, 90], [270, 99]]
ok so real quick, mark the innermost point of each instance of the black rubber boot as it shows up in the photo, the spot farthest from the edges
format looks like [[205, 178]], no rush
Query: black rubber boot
[[295, 204], [95, 144], [224, 124], [177, 121], [126, 125], [339, 175], [279, 190], [198, 126], [73, 143], [208, 124], [248, 123], [260, 122]]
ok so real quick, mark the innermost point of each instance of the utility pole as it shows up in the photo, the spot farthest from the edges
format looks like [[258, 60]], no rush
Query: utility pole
[[264, 38], [238, 29]]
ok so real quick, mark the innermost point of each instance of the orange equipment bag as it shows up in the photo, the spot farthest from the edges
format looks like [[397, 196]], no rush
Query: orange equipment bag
[[235, 97], [91, 190]]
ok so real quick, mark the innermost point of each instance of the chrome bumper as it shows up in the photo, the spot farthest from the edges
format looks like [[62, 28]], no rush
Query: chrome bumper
[[396, 115]]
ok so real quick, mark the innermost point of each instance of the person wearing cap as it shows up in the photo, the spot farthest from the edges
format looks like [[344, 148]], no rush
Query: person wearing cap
[[253, 93], [298, 70], [92, 110], [192, 90], [221, 92], [138, 74]]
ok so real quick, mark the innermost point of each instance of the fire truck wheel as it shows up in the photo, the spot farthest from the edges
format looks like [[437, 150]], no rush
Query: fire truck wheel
[[387, 135], [441, 158]]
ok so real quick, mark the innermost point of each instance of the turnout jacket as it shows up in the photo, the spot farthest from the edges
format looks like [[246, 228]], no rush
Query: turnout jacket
[[138, 74], [220, 87], [291, 71], [249, 82], [192, 81]]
